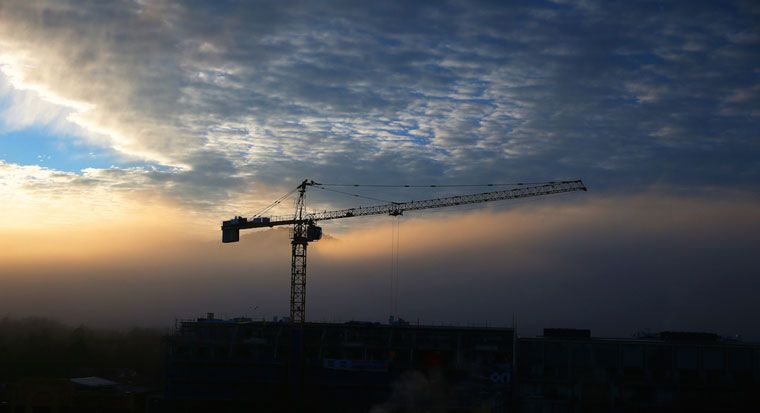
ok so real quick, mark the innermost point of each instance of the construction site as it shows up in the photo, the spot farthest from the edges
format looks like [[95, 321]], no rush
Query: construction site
[[245, 365], [291, 364], [221, 364]]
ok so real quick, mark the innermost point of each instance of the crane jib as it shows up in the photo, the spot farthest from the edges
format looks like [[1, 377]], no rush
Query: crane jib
[[398, 208], [231, 228]]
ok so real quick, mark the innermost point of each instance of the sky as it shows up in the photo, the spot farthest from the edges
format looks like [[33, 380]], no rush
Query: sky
[[130, 129]]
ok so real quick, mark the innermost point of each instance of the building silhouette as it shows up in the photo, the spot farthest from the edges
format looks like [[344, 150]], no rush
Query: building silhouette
[[241, 364]]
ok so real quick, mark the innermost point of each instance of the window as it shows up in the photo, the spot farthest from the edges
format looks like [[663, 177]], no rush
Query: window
[[712, 359], [633, 357], [686, 358]]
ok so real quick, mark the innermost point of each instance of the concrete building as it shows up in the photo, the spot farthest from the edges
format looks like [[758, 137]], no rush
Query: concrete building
[[240, 364], [234, 365], [569, 371]]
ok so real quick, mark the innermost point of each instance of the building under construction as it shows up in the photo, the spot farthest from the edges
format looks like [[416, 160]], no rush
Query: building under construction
[[240, 364]]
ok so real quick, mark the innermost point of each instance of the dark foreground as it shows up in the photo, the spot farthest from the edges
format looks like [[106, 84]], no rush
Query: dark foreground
[[243, 365]]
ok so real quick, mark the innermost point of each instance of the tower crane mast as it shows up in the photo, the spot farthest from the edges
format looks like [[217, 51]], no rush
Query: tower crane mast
[[305, 230]]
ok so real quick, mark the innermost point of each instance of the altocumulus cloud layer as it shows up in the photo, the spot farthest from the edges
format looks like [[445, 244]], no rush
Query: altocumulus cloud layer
[[215, 96]]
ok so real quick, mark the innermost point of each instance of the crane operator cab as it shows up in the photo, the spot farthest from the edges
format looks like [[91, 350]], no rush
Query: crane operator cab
[[313, 233]]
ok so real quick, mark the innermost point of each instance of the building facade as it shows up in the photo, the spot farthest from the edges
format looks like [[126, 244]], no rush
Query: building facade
[[569, 371], [240, 364]]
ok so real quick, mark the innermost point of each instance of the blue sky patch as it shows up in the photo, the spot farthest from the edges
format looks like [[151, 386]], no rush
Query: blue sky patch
[[40, 146]]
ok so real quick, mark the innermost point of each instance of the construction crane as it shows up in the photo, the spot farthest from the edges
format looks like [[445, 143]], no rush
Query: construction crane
[[305, 230]]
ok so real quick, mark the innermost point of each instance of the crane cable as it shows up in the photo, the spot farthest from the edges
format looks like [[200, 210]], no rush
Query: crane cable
[[394, 272], [395, 242], [275, 203], [443, 186], [356, 195], [322, 186], [395, 238]]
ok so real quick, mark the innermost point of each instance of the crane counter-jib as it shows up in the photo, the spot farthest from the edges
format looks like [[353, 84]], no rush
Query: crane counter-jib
[[231, 228]]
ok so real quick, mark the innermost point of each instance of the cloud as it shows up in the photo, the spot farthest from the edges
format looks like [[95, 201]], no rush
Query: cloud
[[217, 108], [231, 94]]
